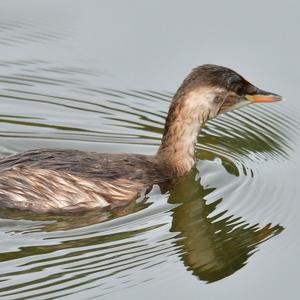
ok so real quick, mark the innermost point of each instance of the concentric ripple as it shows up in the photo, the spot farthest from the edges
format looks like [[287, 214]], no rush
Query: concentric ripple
[[25, 31], [211, 222]]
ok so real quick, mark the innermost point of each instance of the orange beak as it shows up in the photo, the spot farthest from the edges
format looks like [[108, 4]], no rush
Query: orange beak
[[260, 98]]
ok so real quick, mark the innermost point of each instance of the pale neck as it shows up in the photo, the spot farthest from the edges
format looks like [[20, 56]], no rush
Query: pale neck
[[185, 119]]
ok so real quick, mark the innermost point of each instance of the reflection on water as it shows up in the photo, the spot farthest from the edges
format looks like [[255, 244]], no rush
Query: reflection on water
[[56, 256], [52, 222], [213, 247]]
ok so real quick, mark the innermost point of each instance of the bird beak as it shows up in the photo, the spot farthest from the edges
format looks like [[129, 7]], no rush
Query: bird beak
[[263, 97], [255, 95]]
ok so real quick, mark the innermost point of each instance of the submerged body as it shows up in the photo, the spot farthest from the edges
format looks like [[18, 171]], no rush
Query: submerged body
[[57, 181]]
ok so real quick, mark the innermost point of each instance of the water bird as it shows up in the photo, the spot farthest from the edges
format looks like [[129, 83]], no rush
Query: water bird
[[60, 181]]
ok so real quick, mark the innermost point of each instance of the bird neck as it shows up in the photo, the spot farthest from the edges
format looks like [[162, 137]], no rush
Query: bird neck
[[185, 119]]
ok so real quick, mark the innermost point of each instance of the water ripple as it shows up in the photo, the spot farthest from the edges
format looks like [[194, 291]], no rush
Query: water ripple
[[16, 32], [212, 222]]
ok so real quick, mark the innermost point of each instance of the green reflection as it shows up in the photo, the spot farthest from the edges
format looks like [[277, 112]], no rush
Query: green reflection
[[212, 247]]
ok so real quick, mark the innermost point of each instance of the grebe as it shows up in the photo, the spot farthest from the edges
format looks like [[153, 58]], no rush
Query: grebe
[[57, 181]]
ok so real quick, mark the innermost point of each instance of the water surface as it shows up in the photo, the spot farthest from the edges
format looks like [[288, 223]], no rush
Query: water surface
[[100, 78]]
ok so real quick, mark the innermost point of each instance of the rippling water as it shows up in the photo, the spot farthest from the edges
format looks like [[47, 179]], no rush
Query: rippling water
[[55, 256], [221, 226]]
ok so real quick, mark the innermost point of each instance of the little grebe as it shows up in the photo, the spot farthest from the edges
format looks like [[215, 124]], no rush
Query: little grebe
[[47, 180]]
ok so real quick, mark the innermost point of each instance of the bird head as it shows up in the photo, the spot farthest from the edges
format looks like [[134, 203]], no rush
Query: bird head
[[223, 89]]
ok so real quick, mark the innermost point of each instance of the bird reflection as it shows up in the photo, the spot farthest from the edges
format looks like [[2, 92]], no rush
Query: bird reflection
[[71, 221], [212, 247]]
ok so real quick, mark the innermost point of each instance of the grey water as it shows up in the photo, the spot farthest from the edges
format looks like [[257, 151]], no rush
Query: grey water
[[99, 76]]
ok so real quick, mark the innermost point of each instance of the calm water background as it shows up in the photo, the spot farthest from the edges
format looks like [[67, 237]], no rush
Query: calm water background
[[99, 75]]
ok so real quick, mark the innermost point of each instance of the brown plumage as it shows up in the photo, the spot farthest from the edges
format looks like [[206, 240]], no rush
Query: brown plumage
[[57, 181], [47, 180]]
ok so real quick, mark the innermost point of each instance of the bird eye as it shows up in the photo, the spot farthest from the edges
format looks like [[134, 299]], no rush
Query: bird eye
[[239, 90]]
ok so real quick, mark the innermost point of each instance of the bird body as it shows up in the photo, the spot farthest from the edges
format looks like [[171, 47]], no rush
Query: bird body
[[57, 180], [46, 180]]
